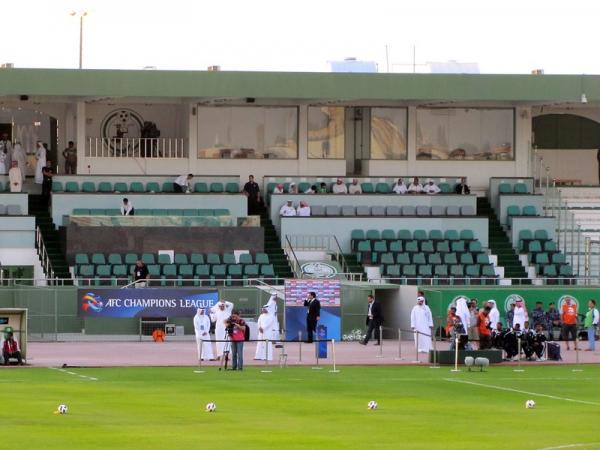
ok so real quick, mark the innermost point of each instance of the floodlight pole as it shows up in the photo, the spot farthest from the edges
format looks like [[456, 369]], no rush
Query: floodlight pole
[[81, 16]]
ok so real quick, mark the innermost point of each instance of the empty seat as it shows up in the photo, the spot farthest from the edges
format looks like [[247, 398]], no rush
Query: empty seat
[[549, 271], [164, 258], [86, 271], [152, 186], [13, 210], [168, 187], [175, 212], [505, 188], [348, 210], [442, 246], [363, 210], [392, 211], [438, 210], [232, 188], [105, 186], [119, 271], [221, 212], [388, 235], [467, 235], [131, 258], [440, 270], [423, 210], [317, 210], [88, 186], [472, 270], [213, 258], [245, 258], [542, 235], [452, 210], [520, 188], [529, 210], [186, 271], [160, 212], [98, 258], [81, 258], [373, 235], [395, 246], [332, 210], [267, 270], [393, 271], [512, 210], [550, 247], [566, 271], [450, 258], [303, 187], [378, 210], [420, 235], [404, 235], [534, 246], [197, 258], [488, 271], [482, 258], [180, 258], [467, 210], [143, 212], [403, 258], [451, 235], [427, 246], [57, 186], [457, 246], [251, 270], [261, 258], [115, 258], [466, 258], [445, 188], [136, 186], [202, 271], [148, 258], [71, 186], [436, 235], [411, 246], [382, 188], [419, 258], [216, 187], [434, 258], [558, 258], [425, 270], [104, 271], [367, 188], [380, 247], [120, 187], [229, 258], [201, 187], [386, 258], [409, 210], [355, 237]]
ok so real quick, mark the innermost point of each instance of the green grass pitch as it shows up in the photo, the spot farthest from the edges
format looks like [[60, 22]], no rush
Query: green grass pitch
[[419, 408]]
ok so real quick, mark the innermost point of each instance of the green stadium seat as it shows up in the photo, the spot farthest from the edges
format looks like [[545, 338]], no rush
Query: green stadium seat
[[143, 212], [181, 258], [206, 212], [450, 259], [232, 188], [425, 270], [57, 186], [549, 271], [403, 258], [120, 271], [120, 187], [148, 258], [88, 186], [112, 212], [271, 187], [216, 188], [525, 234], [202, 271], [267, 271], [475, 247], [367, 188], [373, 235], [404, 235], [364, 251], [245, 258], [105, 186], [550, 247], [81, 258], [535, 246], [261, 258], [458, 246], [411, 246], [213, 258], [472, 270], [303, 187], [219, 271], [420, 235], [136, 187], [542, 235], [451, 235], [71, 186], [565, 271], [86, 271], [190, 212], [186, 271], [436, 235], [175, 212], [160, 212], [388, 235], [542, 258], [98, 259], [427, 246], [395, 246], [487, 271], [442, 246], [168, 187], [228, 258], [235, 270], [104, 271], [383, 188], [115, 259], [529, 210], [97, 212], [380, 247], [409, 271], [251, 270], [520, 188], [440, 270], [221, 212], [201, 188], [467, 235], [154, 270], [466, 258], [505, 188], [153, 187], [163, 259], [445, 188], [434, 258], [393, 271], [197, 258], [387, 258], [81, 212], [512, 210], [169, 270], [419, 258], [131, 258], [558, 258], [482, 258], [457, 270]]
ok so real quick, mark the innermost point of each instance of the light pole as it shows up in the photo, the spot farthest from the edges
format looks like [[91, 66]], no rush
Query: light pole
[[81, 16]]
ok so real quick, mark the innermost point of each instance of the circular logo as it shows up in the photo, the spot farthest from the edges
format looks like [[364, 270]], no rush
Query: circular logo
[[318, 270], [92, 302], [562, 301], [512, 298], [119, 125]]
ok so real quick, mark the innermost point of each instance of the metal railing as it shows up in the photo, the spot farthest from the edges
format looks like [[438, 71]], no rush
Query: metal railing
[[291, 254], [153, 148], [43, 254]]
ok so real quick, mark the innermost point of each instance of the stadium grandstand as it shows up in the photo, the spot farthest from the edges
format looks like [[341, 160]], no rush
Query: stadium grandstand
[[526, 146]]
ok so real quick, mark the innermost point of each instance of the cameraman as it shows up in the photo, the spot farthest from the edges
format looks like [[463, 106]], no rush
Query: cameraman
[[236, 328]]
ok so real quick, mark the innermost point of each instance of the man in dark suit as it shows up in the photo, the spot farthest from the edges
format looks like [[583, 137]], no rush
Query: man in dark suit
[[312, 315], [374, 320], [462, 188]]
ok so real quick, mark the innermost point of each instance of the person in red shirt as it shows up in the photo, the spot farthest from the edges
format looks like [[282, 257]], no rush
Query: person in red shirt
[[483, 327], [450, 320], [237, 334], [10, 349], [569, 320]]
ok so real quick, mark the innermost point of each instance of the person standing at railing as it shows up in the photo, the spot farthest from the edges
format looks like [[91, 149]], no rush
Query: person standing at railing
[[140, 274], [70, 155], [40, 156], [127, 208]]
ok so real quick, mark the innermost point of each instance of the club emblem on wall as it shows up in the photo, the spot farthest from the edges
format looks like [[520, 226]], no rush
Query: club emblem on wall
[[120, 128]]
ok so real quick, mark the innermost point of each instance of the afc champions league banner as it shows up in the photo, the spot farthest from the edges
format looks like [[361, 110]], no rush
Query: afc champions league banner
[[328, 293], [128, 303]]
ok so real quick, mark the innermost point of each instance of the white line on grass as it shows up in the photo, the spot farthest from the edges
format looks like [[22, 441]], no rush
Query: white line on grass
[[501, 388], [85, 377], [570, 446]]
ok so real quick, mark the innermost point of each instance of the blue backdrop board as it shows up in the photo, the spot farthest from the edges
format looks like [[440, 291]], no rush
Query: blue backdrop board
[[328, 293], [127, 303]]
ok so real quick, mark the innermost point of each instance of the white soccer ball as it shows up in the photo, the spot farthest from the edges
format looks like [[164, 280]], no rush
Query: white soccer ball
[[529, 404], [372, 404], [63, 409], [211, 407]]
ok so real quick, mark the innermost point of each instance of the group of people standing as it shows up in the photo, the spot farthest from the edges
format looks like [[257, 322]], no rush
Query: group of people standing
[[230, 332], [13, 161]]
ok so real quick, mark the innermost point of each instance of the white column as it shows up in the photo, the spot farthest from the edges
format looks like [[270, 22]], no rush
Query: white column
[[523, 130], [81, 141]]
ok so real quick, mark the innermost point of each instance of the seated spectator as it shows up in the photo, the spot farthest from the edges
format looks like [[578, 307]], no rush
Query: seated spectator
[[303, 209], [287, 210], [182, 183], [462, 188], [311, 190], [538, 316], [322, 188], [293, 189], [399, 187], [431, 188], [538, 342], [552, 320], [10, 349], [339, 187], [415, 187], [127, 208], [278, 189], [355, 187]]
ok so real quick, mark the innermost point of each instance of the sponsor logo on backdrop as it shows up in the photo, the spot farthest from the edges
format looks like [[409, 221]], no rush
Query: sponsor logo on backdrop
[[92, 302], [121, 123], [319, 270], [512, 298], [561, 301]]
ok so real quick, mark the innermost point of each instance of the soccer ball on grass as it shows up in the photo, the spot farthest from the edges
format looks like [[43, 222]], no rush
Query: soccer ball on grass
[[211, 407], [529, 404], [372, 404], [62, 409]]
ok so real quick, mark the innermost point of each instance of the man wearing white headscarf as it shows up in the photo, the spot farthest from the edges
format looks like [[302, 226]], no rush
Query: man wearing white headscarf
[[202, 330], [265, 322], [494, 315], [462, 311], [15, 178], [220, 313], [20, 157], [3, 163], [521, 316], [7, 149], [40, 156], [422, 323], [271, 308]]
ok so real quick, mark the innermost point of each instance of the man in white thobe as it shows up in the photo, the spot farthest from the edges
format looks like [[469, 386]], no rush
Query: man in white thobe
[[220, 313], [422, 323], [20, 157], [271, 308], [462, 311], [6, 148], [202, 330], [287, 210], [494, 314], [15, 178], [339, 187], [264, 350], [521, 315]]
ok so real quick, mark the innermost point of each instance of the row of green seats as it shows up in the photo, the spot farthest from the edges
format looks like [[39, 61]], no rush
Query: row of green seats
[[406, 235], [179, 258], [186, 271], [367, 187], [4, 187], [440, 270], [414, 246], [152, 212], [138, 187], [517, 188], [432, 258]]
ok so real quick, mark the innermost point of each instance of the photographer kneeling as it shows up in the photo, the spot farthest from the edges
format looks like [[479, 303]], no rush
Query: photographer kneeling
[[236, 329]]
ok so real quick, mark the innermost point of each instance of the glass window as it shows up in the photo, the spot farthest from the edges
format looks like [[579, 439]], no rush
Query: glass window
[[247, 132], [388, 133], [326, 132], [465, 134]]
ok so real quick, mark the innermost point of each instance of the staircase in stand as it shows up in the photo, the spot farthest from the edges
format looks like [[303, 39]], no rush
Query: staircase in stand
[[499, 244], [51, 238], [273, 248]]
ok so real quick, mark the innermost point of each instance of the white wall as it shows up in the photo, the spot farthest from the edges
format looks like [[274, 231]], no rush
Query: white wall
[[572, 164], [22, 257]]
